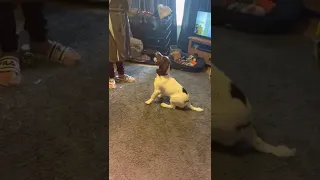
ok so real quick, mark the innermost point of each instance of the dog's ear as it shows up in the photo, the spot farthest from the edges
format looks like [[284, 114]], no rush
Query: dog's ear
[[161, 72], [159, 57], [158, 53], [166, 60], [164, 66]]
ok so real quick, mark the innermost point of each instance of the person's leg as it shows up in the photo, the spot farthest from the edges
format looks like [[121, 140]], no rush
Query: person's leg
[[120, 68], [121, 75], [8, 36], [36, 26], [112, 83], [35, 22], [9, 62], [111, 71]]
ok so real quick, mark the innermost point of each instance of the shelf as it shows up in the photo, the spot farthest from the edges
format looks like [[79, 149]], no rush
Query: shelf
[[202, 49], [200, 40]]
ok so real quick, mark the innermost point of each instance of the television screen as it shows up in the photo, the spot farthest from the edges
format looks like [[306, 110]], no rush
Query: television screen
[[203, 24]]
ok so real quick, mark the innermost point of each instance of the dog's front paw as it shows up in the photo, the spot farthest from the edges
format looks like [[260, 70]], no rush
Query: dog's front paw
[[198, 109], [149, 101]]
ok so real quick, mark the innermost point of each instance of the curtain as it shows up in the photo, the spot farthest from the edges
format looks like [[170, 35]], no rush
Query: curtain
[[172, 5], [151, 6], [143, 5], [191, 7]]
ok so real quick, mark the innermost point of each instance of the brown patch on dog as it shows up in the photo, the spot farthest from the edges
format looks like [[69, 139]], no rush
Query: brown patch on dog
[[164, 64]]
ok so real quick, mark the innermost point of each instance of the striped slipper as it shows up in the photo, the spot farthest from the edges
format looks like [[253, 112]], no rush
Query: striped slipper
[[62, 54], [125, 79], [9, 70]]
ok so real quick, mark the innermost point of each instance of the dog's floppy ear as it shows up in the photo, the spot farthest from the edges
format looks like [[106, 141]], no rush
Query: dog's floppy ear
[[167, 61], [158, 53], [161, 72], [164, 65], [158, 57]]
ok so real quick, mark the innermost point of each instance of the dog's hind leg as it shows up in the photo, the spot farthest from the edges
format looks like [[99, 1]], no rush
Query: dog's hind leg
[[153, 96], [260, 145], [190, 106], [173, 103]]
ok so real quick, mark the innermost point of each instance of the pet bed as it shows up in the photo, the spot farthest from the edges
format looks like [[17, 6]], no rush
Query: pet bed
[[199, 67]]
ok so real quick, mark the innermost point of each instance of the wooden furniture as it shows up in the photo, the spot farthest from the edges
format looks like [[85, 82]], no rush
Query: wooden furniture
[[201, 47]]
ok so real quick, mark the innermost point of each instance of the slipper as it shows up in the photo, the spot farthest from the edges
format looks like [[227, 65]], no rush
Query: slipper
[[56, 52], [9, 71], [112, 84], [125, 79], [62, 54]]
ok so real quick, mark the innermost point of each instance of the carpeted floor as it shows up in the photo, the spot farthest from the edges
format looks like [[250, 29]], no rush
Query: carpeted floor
[[54, 126], [281, 79], [148, 142]]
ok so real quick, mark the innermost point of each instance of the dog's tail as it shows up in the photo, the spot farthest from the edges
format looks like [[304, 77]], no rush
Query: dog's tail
[[262, 146]]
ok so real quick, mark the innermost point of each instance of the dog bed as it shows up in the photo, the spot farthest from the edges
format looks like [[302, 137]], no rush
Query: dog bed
[[199, 67]]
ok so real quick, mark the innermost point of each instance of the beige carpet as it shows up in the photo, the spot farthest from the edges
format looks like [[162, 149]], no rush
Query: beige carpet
[[148, 142]]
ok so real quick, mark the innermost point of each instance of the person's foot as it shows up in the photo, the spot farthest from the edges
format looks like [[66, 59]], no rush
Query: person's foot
[[112, 83], [55, 52], [9, 69], [125, 78]]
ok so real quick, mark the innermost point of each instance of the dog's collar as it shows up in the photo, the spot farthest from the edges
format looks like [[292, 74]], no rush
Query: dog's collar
[[166, 75]]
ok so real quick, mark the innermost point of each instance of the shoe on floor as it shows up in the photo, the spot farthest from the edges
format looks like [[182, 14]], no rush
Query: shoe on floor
[[112, 83], [125, 79], [56, 52], [9, 69]]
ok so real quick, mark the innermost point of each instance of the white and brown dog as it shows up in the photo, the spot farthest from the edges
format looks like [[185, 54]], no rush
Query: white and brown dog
[[231, 117], [165, 85]]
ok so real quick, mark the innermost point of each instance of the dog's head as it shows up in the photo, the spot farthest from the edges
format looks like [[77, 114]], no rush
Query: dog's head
[[164, 64]]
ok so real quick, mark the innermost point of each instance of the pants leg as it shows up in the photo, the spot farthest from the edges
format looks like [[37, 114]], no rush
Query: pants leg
[[111, 70], [120, 68], [35, 22], [8, 37]]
